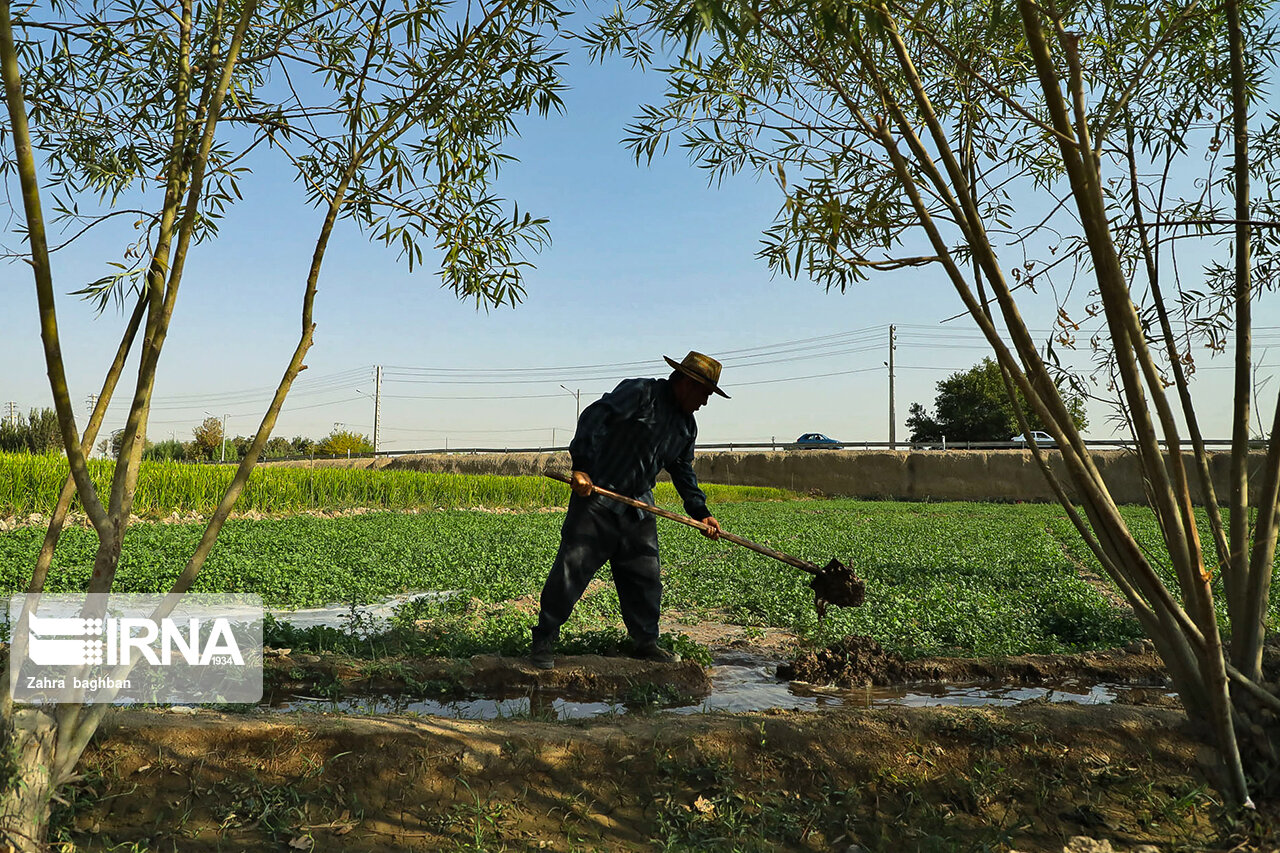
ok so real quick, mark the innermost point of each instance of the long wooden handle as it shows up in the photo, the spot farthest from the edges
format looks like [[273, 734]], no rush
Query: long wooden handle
[[803, 565]]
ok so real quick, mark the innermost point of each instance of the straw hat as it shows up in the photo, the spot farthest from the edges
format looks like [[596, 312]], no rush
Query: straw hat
[[701, 368]]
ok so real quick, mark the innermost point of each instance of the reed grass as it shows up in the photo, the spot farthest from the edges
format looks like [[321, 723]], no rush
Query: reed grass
[[30, 484]]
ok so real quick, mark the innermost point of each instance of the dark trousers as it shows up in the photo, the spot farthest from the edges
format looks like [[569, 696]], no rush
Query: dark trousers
[[593, 533]]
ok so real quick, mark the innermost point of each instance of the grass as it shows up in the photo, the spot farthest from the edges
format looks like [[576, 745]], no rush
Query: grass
[[31, 484], [970, 579]]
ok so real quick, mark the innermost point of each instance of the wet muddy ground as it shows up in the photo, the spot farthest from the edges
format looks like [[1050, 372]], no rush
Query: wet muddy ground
[[855, 673], [590, 686]]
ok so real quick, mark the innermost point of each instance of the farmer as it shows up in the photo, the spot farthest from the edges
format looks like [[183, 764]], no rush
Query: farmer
[[622, 441]]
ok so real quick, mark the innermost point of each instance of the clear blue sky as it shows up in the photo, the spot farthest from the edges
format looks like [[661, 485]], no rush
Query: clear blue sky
[[645, 261]]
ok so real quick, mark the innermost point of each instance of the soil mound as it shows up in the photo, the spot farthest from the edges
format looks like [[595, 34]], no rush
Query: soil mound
[[580, 677], [854, 661], [857, 661]]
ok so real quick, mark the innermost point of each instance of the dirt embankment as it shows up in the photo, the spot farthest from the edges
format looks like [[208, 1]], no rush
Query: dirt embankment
[[1026, 778], [861, 662], [585, 677], [1031, 777]]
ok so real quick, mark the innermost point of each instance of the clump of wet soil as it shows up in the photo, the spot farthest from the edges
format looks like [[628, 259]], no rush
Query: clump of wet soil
[[858, 661], [853, 661], [836, 584]]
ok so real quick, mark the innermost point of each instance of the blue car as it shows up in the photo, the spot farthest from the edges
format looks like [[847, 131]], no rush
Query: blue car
[[816, 441]]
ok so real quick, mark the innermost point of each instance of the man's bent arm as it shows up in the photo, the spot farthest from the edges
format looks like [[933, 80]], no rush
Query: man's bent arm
[[686, 483]]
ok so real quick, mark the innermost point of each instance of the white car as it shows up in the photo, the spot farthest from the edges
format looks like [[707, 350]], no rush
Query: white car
[[1042, 439]]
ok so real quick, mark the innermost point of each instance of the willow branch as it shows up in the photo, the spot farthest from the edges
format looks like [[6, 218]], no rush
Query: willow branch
[[43, 274], [384, 132]]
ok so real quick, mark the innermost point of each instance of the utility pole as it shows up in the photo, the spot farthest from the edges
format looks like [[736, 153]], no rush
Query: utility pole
[[92, 400], [893, 440], [377, 406], [577, 397], [12, 416], [224, 437]]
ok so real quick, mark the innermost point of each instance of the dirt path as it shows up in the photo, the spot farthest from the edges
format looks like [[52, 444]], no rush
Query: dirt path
[[1102, 586]]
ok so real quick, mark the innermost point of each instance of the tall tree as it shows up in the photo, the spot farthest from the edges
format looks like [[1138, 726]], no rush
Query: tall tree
[[206, 439], [392, 116], [1076, 153], [340, 442], [42, 431], [974, 405]]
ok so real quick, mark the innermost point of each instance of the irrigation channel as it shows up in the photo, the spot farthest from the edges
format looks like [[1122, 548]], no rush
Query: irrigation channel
[[740, 681]]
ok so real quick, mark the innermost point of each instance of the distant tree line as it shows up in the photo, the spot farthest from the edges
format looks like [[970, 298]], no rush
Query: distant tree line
[[35, 433], [38, 433], [207, 445]]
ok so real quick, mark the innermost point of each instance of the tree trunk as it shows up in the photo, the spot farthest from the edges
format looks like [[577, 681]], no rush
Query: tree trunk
[[28, 783]]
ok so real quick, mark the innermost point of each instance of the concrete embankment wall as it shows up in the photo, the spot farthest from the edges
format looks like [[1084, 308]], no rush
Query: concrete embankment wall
[[953, 475]]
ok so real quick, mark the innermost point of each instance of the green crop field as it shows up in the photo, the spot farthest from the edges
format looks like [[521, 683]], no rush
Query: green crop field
[[30, 484], [985, 579]]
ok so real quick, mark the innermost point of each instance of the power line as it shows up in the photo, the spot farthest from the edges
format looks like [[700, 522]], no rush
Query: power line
[[548, 396], [426, 376], [335, 389], [810, 376], [726, 357], [838, 344], [420, 431], [471, 396], [257, 413], [302, 387]]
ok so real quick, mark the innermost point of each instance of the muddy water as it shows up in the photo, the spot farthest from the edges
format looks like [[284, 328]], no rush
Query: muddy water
[[359, 617], [749, 685], [739, 683]]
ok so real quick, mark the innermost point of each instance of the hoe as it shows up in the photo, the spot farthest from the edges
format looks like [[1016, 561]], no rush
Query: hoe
[[835, 583]]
